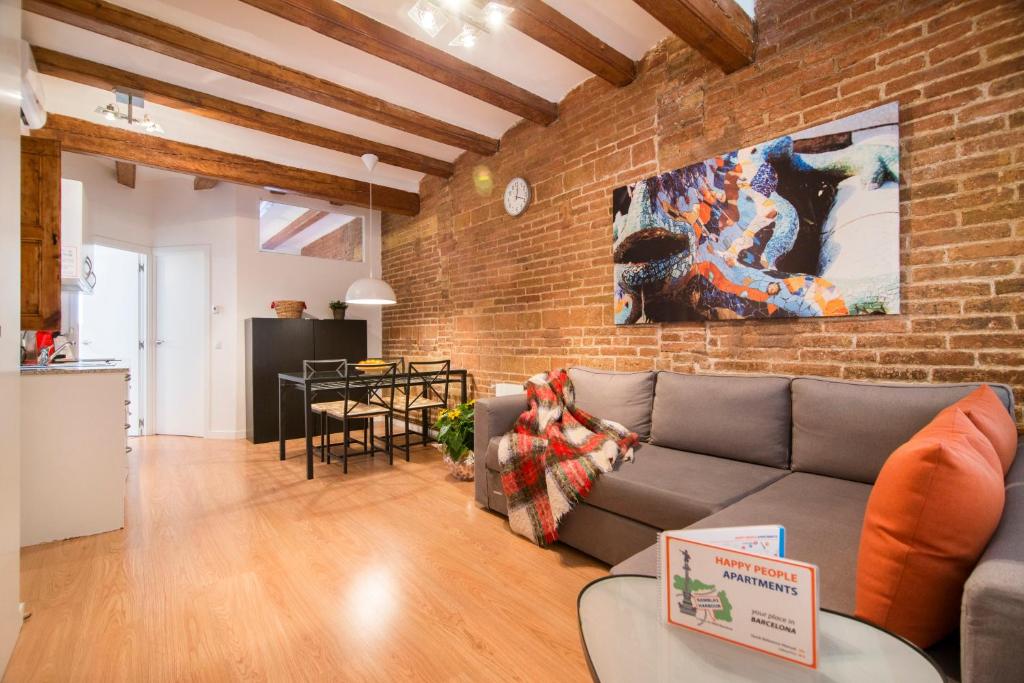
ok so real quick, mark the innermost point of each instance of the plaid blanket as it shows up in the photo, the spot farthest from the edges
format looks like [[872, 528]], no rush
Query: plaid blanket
[[554, 454]]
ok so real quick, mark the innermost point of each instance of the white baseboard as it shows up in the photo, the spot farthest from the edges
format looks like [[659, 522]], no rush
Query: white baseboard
[[225, 434]]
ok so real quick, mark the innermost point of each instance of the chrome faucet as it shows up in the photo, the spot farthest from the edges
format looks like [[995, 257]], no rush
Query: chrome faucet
[[44, 356]]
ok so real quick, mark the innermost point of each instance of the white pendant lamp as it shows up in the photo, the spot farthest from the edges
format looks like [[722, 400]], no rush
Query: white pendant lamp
[[370, 290]]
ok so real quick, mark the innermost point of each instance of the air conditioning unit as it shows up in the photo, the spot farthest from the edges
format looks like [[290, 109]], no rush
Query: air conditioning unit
[[33, 104]]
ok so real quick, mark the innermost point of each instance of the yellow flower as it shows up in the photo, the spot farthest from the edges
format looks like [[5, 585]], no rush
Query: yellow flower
[[457, 413]]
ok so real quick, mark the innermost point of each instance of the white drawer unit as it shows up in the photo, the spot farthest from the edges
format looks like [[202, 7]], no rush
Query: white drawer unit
[[74, 452]]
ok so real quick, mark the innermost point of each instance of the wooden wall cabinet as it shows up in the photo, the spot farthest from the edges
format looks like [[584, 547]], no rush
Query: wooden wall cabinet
[[40, 234]]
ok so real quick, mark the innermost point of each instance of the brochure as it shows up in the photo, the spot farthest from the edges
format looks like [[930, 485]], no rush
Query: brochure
[[734, 584]]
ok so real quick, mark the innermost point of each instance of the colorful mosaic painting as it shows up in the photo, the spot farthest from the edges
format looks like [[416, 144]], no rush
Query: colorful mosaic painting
[[804, 225]]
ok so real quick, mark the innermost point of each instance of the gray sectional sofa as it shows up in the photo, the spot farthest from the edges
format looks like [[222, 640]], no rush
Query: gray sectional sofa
[[804, 452]]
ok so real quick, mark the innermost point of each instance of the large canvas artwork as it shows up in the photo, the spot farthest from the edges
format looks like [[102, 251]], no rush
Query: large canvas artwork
[[804, 225]]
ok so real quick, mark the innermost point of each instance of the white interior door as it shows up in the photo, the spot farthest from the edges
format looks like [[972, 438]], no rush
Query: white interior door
[[181, 289], [111, 319]]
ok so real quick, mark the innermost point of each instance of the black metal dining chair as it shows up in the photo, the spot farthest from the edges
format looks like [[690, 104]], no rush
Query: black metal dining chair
[[425, 388], [331, 368], [367, 392]]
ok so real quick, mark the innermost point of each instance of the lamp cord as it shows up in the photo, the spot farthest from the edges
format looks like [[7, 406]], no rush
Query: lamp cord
[[370, 216]]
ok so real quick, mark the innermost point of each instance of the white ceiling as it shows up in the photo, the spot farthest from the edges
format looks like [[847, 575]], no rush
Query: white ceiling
[[506, 53]]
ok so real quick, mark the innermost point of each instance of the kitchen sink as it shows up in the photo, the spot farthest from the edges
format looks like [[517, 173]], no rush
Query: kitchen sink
[[84, 363]]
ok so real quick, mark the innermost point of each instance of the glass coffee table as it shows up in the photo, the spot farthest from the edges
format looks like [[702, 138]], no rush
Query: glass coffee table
[[625, 639]]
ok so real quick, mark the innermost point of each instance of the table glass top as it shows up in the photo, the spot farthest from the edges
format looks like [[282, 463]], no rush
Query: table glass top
[[332, 376], [626, 640]]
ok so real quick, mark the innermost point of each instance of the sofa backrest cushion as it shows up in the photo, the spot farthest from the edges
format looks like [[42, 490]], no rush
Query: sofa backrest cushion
[[848, 429], [623, 397], [936, 504], [741, 417], [989, 415]]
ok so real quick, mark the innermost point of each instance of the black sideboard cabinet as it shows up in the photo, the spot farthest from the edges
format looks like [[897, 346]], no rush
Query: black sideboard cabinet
[[274, 345]]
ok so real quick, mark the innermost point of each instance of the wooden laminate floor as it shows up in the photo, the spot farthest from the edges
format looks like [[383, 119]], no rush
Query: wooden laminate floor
[[234, 567]]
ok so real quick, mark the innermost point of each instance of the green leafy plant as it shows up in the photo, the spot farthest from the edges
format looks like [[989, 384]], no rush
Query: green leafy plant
[[455, 430], [335, 305]]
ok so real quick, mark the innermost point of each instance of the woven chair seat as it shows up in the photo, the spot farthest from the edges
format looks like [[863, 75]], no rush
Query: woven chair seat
[[336, 409], [419, 403]]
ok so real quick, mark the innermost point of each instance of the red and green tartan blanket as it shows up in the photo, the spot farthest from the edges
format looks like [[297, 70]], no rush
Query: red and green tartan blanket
[[554, 454]]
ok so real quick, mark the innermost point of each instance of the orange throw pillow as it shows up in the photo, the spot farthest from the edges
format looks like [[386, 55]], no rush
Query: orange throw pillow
[[990, 416], [932, 511]]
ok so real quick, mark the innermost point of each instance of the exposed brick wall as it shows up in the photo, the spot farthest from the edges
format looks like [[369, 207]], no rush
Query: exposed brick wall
[[343, 244], [507, 297]]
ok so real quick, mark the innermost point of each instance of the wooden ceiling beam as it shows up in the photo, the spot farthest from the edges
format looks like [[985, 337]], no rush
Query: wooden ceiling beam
[[85, 137], [551, 28], [84, 71], [199, 183], [152, 34], [125, 173], [305, 220], [345, 25], [718, 29]]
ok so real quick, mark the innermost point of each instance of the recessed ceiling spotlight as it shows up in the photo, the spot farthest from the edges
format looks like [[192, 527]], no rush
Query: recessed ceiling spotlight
[[467, 37], [428, 18], [472, 21], [495, 14]]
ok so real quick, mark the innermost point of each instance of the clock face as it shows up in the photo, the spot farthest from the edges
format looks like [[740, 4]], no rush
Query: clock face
[[517, 196]]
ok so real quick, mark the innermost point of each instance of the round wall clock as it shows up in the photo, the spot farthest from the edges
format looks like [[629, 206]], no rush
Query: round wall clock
[[517, 196]]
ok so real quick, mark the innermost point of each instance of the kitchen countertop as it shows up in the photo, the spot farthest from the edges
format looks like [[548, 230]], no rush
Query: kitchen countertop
[[73, 368]]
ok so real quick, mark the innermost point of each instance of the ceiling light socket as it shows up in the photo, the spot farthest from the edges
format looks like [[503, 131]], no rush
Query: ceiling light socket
[[370, 161]]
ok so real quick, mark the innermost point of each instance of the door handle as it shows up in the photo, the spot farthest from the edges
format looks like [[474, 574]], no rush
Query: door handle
[[159, 342]]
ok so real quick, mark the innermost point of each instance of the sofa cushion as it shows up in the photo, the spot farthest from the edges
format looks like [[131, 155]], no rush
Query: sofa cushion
[[732, 416], [823, 518], [623, 397], [936, 504], [848, 429], [670, 489]]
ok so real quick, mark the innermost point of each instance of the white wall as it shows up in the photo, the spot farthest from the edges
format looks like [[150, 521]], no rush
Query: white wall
[[164, 210], [113, 213], [286, 276], [10, 324]]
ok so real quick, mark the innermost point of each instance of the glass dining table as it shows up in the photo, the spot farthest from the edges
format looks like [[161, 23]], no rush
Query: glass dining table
[[311, 383]]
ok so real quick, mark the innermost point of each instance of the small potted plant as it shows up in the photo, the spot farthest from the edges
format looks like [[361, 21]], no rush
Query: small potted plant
[[338, 309], [455, 434]]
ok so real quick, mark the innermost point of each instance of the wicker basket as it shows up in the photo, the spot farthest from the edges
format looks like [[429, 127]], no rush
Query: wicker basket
[[289, 309]]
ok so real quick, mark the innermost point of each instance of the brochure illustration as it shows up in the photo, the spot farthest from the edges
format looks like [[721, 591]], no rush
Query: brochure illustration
[[734, 584]]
